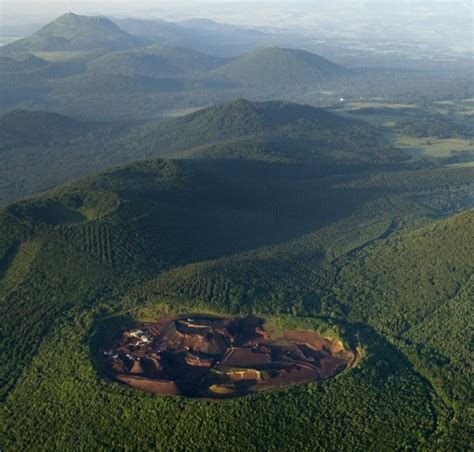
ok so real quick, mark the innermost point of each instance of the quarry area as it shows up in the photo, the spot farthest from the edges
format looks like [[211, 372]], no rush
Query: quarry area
[[219, 357]]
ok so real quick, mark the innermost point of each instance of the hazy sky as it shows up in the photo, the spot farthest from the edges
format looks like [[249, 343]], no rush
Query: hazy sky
[[249, 10], [433, 21]]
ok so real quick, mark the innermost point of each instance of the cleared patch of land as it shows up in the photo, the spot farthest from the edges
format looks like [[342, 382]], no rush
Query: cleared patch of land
[[207, 356], [68, 56], [177, 112], [462, 165], [433, 147], [394, 106]]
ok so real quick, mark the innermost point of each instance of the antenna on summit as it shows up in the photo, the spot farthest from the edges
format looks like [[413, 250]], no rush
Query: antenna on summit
[[69, 7]]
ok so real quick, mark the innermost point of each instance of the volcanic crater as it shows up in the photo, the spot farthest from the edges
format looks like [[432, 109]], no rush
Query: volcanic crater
[[219, 357]]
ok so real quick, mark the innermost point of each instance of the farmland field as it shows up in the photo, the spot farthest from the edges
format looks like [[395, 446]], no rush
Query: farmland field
[[433, 147]]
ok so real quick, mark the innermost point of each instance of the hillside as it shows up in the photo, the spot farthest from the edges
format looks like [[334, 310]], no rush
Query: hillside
[[243, 118], [426, 310], [22, 127], [72, 32], [275, 131], [276, 68], [156, 60], [21, 64], [40, 150], [230, 236], [44, 150]]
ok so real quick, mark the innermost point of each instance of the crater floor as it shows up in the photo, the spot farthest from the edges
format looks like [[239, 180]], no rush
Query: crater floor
[[218, 357]]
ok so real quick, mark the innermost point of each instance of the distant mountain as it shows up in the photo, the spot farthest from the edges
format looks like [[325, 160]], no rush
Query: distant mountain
[[73, 32], [203, 35], [209, 25], [90, 68], [205, 24], [156, 28], [156, 60], [274, 67]]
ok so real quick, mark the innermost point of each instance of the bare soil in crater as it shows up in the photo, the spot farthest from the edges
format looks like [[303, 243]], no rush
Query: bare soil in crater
[[219, 357]]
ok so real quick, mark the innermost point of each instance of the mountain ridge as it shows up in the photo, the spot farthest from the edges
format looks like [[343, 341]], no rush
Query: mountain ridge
[[74, 32]]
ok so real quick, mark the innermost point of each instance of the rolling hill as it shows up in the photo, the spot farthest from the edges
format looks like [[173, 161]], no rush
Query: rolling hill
[[274, 131], [72, 32], [156, 61], [276, 68], [242, 118], [89, 67]]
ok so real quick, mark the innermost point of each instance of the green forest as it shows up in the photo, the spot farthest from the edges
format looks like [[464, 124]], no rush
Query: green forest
[[174, 236], [141, 177]]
